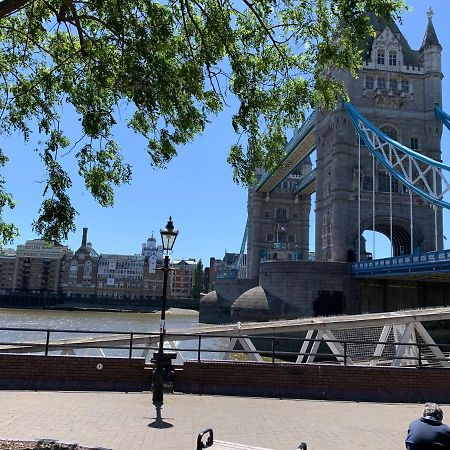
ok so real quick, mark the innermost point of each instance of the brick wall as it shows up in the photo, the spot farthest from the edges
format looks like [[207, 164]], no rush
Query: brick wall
[[73, 373], [330, 382]]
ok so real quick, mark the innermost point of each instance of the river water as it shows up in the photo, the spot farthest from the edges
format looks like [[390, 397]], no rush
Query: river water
[[96, 320], [176, 319]]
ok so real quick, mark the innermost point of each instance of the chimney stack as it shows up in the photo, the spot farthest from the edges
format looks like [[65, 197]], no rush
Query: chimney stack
[[84, 241]]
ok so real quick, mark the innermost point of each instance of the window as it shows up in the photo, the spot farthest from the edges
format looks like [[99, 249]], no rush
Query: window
[[281, 236], [383, 182], [281, 213], [392, 58], [369, 83], [87, 269], [266, 214], [393, 85], [380, 56], [414, 143], [390, 131], [367, 183], [381, 83], [405, 86], [73, 269], [269, 237]]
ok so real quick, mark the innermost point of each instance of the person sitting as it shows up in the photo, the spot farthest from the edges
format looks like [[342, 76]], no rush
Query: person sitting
[[428, 432]]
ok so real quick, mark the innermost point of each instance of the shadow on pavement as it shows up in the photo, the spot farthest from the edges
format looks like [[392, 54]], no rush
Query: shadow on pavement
[[159, 421]]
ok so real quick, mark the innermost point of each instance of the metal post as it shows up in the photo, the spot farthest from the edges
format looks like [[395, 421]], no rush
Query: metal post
[[46, 342], [435, 228], [411, 209], [411, 221], [390, 215], [130, 355], [373, 206], [273, 350], [158, 396], [345, 353], [359, 198], [390, 203], [199, 350]]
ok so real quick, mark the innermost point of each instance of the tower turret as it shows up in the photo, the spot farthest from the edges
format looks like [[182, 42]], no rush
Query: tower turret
[[431, 57]]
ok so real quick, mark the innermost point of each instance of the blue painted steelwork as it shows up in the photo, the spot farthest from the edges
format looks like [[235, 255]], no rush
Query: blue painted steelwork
[[430, 262], [442, 115], [357, 118], [296, 140]]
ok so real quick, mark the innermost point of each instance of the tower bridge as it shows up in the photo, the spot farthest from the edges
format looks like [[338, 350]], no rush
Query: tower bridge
[[378, 168]]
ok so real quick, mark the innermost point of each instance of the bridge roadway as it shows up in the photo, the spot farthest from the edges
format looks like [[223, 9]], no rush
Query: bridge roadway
[[428, 266], [385, 319], [297, 149]]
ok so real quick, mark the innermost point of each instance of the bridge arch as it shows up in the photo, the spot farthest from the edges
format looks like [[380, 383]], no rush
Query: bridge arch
[[401, 234]]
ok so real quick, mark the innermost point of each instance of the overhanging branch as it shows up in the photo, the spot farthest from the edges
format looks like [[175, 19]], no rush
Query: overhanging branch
[[8, 7]]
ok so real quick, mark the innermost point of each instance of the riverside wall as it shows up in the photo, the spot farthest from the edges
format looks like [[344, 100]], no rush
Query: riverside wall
[[291, 289]]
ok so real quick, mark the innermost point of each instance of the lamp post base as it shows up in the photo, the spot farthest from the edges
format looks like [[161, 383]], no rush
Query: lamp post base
[[158, 388]]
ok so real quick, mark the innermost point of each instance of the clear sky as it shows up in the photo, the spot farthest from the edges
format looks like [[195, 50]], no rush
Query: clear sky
[[196, 188]]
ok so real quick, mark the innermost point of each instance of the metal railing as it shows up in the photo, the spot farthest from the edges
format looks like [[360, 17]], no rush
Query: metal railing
[[416, 262], [305, 181], [271, 349]]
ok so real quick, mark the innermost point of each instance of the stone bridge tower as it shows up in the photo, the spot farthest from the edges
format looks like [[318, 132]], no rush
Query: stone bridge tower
[[278, 222], [396, 89]]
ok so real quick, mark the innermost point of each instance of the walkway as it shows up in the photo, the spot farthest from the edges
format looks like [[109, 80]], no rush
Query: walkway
[[124, 421]]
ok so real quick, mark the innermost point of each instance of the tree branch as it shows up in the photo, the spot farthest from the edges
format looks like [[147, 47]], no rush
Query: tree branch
[[8, 7]]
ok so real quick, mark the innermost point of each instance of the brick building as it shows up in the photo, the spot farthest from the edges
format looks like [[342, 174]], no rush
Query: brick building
[[89, 274], [181, 278], [7, 267], [37, 267]]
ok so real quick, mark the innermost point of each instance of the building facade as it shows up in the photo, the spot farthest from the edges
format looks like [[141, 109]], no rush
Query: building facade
[[396, 89], [112, 276], [38, 267], [181, 278]]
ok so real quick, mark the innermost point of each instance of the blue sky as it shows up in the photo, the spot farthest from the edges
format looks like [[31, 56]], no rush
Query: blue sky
[[196, 188]]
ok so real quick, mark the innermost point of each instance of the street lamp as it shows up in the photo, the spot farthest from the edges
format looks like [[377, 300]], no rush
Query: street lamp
[[168, 237]]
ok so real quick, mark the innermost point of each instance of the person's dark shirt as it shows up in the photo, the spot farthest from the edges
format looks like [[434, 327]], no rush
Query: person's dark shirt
[[428, 433]]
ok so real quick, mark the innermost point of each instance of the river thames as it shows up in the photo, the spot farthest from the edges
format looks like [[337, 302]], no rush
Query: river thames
[[94, 321]]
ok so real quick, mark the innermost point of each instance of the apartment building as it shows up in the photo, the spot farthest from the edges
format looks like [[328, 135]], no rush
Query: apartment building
[[181, 278]]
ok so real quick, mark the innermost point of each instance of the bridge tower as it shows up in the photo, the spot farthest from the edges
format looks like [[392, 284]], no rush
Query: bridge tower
[[278, 222], [396, 89]]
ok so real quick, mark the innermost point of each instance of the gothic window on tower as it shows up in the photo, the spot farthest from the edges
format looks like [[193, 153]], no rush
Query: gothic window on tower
[[381, 83], [393, 85], [281, 213], [269, 237], [414, 144], [383, 182], [405, 86], [367, 183], [392, 58], [266, 214], [380, 56], [369, 83]]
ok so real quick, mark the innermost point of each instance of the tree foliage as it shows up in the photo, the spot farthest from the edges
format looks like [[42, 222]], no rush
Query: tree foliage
[[172, 64], [197, 286]]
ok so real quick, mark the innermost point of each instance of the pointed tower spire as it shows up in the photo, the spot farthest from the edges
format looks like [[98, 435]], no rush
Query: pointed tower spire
[[430, 37]]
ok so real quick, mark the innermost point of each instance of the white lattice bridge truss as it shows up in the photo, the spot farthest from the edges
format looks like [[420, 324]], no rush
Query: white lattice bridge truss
[[391, 338]]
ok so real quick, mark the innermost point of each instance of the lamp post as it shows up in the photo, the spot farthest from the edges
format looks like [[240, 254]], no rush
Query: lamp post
[[168, 237]]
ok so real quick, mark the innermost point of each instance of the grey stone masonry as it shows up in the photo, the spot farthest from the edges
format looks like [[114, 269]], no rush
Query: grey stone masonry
[[396, 89]]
